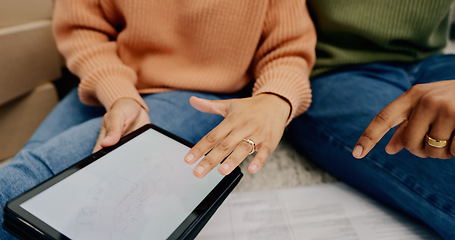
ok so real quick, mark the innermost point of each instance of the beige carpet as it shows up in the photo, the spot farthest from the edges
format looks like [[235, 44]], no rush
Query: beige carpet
[[284, 168]]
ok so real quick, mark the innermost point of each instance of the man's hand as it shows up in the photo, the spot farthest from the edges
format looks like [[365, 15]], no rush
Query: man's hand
[[423, 109]]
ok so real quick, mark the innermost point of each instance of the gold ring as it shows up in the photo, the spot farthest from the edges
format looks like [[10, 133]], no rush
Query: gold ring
[[253, 145], [434, 142]]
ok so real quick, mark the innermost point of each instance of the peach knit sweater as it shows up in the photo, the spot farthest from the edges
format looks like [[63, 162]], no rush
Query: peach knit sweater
[[124, 48]]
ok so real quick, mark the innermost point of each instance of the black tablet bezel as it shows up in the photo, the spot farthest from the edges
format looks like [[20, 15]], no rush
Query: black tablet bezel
[[15, 215]]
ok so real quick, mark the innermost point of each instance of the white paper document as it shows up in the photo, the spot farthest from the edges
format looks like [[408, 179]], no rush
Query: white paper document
[[332, 211]]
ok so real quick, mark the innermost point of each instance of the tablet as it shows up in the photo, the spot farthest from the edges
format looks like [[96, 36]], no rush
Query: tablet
[[138, 189]]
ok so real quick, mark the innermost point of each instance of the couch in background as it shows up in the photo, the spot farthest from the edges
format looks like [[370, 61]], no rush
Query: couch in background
[[29, 63]]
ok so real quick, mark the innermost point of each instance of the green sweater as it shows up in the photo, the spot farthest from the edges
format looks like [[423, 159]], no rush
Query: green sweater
[[363, 31]]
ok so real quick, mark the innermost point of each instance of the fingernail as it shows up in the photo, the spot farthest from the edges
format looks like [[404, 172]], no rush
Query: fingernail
[[357, 151], [253, 167], [189, 158], [225, 167], [199, 170]]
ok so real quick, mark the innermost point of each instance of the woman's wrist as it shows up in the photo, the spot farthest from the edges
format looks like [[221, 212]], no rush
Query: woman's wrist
[[129, 99], [281, 101]]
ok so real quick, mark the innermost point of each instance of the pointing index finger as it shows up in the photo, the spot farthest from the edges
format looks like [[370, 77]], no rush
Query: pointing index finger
[[389, 117]]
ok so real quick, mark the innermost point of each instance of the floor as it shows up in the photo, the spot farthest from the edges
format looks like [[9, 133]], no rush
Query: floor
[[284, 168]]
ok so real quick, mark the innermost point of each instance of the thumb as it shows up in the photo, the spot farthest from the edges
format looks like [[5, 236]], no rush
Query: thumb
[[219, 107], [113, 126]]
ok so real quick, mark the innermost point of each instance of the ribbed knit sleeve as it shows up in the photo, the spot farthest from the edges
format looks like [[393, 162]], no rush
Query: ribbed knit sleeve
[[87, 41], [123, 48], [286, 54]]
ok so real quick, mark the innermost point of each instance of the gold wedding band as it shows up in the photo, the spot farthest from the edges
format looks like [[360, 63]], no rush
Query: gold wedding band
[[434, 142], [253, 145]]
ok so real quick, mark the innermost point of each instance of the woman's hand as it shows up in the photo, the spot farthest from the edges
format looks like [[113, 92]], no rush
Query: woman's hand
[[261, 118], [423, 109], [125, 116]]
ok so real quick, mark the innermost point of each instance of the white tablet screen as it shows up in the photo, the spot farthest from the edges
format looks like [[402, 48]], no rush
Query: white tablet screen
[[141, 190]]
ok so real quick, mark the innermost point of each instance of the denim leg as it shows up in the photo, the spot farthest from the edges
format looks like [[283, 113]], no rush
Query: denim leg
[[436, 68], [32, 166], [69, 134], [69, 112], [344, 103]]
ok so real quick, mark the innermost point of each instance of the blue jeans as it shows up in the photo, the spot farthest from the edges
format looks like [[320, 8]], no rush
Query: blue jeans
[[69, 134], [344, 103]]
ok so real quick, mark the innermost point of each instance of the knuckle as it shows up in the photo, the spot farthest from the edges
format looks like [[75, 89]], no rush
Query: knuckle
[[233, 159], [209, 161], [430, 101], [196, 151], [438, 104], [382, 117], [223, 146], [417, 89], [368, 136], [210, 137]]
